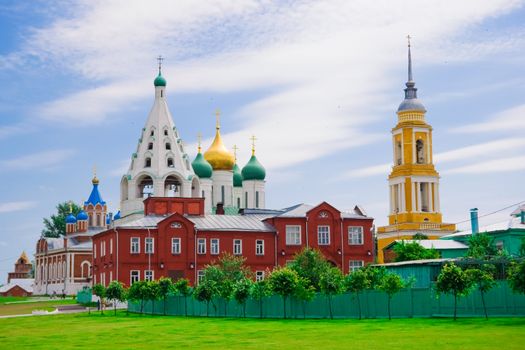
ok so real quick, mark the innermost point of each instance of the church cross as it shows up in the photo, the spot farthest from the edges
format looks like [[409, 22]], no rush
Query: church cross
[[253, 139]]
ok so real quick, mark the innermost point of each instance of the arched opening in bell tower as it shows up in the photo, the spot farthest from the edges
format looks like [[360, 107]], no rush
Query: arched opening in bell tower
[[145, 187], [172, 186], [420, 152]]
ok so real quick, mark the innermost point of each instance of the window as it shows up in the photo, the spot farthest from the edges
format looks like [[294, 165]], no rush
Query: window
[[293, 235], [246, 199], [98, 220], [110, 276], [103, 278], [134, 276], [94, 251], [102, 248], [222, 194], [237, 246], [175, 245], [111, 246], [200, 276], [355, 235], [150, 146], [257, 199], [149, 249], [148, 275], [214, 246], [259, 276], [238, 202], [135, 245], [420, 152], [165, 132], [168, 145], [323, 235], [201, 246], [152, 133], [355, 265], [147, 163], [170, 163], [259, 247]]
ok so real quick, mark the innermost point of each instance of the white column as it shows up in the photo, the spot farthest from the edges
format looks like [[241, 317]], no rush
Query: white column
[[431, 196], [418, 194], [436, 189], [403, 199], [391, 199]]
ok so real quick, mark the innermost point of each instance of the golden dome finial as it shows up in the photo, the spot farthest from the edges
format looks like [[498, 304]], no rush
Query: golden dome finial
[[217, 155], [235, 148], [95, 179], [253, 139], [199, 140]]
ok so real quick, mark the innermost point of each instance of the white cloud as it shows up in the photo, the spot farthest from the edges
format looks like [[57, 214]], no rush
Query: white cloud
[[491, 166], [40, 160], [512, 119], [122, 168], [9, 207]]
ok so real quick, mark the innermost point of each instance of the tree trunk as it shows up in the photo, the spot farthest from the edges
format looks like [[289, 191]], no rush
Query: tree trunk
[[358, 304], [115, 307], [484, 306], [389, 315], [101, 307], [284, 304], [455, 305], [330, 306]]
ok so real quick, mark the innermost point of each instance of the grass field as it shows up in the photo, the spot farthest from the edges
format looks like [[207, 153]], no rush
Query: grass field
[[141, 332], [27, 306]]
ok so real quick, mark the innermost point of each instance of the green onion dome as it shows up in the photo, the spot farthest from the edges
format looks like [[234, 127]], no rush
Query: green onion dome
[[237, 176], [253, 170], [201, 167], [159, 81]]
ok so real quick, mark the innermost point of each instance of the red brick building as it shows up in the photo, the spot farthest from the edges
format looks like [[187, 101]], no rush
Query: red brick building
[[22, 268], [177, 239]]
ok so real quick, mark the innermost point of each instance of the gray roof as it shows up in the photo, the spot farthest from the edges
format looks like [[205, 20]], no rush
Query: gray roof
[[410, 104], [300, 210], [417, 262], [512, 223], [24, 283]]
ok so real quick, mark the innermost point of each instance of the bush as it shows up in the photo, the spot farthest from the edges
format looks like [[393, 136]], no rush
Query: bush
[[453, 280], [283, 281]]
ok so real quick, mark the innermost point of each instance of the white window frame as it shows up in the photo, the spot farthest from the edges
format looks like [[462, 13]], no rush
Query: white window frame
[[214, 243], [352, 266], [259, 247], [201, 243], [355, 237], [259, 276], [200, 276], [149, 275], [149, 245], [320, 238], [131, 276], [175, 243], [296, 240], [237, 246], [134, 243]]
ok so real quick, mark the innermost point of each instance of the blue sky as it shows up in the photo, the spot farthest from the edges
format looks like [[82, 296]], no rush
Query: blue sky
[[317, 82]]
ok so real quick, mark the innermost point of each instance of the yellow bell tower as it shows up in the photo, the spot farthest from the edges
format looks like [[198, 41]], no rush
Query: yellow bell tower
[[413, 182]]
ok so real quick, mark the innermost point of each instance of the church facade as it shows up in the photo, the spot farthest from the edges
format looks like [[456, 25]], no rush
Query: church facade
[[413, 182]]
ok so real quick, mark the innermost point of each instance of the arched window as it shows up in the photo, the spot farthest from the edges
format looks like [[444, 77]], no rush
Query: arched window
[[420, 152], [165, 132], [98, 220], [172, 187], [145, 187], [257, 199], [90, 219], [398, 153], [168, 145], [152, 133], [147, 163], [170, 163], [222, 194], [238, 202], [150, 146], [246, 199]]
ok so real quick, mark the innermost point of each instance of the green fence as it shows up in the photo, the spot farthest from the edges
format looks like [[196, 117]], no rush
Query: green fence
[[84, 296], [414, 302]]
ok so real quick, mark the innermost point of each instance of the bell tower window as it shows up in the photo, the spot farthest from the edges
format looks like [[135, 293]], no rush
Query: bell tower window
[[152, 133], [420, 152], [170, 163], [166, 132], [399, 158], [168, 145], [147, 163], [150, 146]]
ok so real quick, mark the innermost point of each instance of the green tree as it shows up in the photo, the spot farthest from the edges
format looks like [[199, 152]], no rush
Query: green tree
[[205, 291], [356, 282], [100, 291], [374, 275], [310, 264], [304, 292], [331, 283], [182, 286], [137, 292], [419, 236], [116, 293], [241, 292], [516, 275], [481, 246], [152, 293], [484, 279], [259, 291], [391, 284], [453, 280], [283, 281], [413, 251], [166, 288], [55, 225]]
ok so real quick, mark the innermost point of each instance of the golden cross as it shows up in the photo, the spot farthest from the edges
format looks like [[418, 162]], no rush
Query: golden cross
[[199, 139], [218, 118], [408, 38], [253, 139], [160, 59], [235, 148]]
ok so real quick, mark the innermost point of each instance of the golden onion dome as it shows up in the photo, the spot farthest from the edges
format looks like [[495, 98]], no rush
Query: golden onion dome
[[218, 156]]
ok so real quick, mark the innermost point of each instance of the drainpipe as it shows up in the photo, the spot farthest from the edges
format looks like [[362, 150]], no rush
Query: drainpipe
[[474, 220], [306, 229], [195, 257], [116, 252], [522, 214]]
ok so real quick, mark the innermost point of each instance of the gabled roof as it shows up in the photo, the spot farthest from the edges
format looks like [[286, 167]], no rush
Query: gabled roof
[[95, 197], [301, 210], [24, 283]]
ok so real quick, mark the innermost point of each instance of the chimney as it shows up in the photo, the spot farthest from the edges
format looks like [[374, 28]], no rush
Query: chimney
[[220, 209], [474, 220], [522, 215]]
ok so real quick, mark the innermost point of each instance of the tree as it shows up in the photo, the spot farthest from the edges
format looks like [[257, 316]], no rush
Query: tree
[[356, 282], [391, 284], [283, 281], [521, 251], [481, 246], [331, 283], [516, 275], [55, 225], [182, 286], [116, 292], [205, 291], [453, 280], [241, 292], [259, 291], [310, 264], [100, 291], [152, 293], [165, 289], [138, 293], [419, 236], [413, 251], [374, 275], [484, 279], [304, 292]]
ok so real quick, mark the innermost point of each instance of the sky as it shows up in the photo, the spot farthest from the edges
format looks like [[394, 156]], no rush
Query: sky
[[317, 82]]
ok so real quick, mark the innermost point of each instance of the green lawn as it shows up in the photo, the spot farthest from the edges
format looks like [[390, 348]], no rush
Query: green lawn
[[141, 332], [26, 307]]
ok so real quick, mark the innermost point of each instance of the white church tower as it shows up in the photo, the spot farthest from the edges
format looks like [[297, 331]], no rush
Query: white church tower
[[160, 167]]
